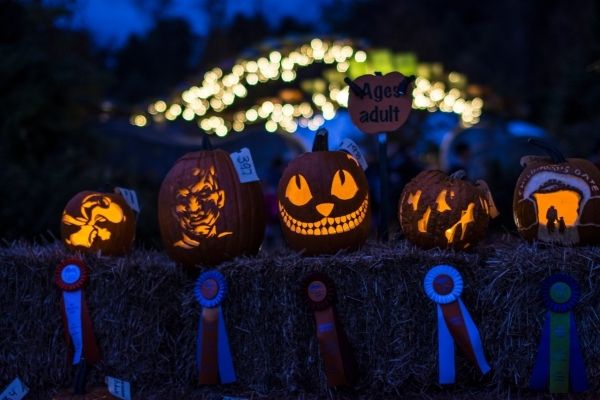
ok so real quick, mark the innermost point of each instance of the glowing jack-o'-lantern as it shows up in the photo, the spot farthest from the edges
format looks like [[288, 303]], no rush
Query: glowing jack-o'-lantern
[[324, 201], [557, 200], [437, 210], [94, 221], [206, 215]]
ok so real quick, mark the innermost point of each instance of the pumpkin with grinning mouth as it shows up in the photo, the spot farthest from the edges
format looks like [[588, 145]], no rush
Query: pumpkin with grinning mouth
[[324, 201]]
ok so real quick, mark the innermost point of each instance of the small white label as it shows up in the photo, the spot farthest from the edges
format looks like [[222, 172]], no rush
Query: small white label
[[130, 197], [350, 147], [242, 161], [15, 391], [118, 388]]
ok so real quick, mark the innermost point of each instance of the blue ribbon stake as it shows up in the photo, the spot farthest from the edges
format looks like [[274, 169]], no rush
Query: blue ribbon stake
[[213, 356], [443, 284], [559, 366]]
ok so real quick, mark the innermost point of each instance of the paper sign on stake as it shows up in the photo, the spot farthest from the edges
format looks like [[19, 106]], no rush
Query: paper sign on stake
[[118, 388], [380, 103], [15, 391], [242, 161], [352, 148]]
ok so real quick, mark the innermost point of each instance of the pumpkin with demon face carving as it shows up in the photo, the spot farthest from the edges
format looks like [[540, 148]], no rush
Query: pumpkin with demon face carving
[[324, 201]]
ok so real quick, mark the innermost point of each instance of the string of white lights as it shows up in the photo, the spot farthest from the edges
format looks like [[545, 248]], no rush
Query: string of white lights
[[219, 91]]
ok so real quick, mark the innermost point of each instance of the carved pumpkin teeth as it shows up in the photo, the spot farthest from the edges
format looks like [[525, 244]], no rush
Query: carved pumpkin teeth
[[326, 225]]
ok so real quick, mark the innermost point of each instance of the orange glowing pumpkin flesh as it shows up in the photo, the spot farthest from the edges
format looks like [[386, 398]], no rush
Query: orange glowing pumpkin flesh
[[95, 221], [206, 215], [436, 210], [558, 201], [324, 203]]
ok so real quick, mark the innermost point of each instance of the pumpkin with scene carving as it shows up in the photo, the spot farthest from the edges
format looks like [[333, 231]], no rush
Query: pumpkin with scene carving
[[323, 199], [437, 210], [557, 199], [95, 221], [206, 215]]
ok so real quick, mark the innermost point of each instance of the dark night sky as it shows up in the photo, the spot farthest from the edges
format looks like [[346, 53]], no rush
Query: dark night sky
[[112, 21]]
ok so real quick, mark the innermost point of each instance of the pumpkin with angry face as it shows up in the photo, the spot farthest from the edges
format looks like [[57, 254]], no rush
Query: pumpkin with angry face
[[205, 213], [437, 210], [324, 201]]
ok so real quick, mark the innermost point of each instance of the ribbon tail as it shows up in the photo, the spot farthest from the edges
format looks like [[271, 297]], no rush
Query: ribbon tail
[[199, 347], [446, 368], [541, 369], [91, 351], [577, 373], [475, 339], [208, 365], [226, 369], [348, 360], [72, 302]]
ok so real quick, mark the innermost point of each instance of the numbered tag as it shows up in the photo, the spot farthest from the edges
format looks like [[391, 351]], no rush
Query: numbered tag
[[130, 197], [242, 161], [350, 147], [15, 391], [118, 388]]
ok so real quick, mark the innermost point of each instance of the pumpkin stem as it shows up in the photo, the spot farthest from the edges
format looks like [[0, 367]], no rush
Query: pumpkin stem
[[552, 151], [460, 174], [320, 143], [206, 144]]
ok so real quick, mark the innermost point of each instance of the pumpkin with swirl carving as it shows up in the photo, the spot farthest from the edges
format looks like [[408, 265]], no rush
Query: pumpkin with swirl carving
[[437, 210]]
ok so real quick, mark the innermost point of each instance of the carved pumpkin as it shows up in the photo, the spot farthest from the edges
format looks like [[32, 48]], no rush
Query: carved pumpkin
[[557, 200], [95, 221], [206, 215], [437, 210], [324, 201]]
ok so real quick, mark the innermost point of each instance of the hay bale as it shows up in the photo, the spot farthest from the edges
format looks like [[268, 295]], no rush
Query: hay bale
[[145, 319]]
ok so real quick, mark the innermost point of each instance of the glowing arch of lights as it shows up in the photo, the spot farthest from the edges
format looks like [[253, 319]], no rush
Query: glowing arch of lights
[[219, 90]]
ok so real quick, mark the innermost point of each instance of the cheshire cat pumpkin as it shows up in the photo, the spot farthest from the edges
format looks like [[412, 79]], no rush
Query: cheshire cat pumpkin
[[437, 210], [96, 221], [323, 199], [557, 199], [206, 215]]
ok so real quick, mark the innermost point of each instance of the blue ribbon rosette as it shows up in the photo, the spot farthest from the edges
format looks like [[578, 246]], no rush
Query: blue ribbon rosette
[[443, 284], [559, 365], [213, 356]]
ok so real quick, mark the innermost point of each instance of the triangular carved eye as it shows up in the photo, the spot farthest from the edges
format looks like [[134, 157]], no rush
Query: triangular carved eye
[[298, 191], [343, 185]]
